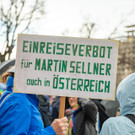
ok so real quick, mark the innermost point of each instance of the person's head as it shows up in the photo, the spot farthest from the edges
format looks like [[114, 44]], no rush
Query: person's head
[[9, 72], [126, 95], [72, 101], [8, 78]]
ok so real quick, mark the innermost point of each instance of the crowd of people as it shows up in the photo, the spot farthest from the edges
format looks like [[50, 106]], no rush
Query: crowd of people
[[29, 114]]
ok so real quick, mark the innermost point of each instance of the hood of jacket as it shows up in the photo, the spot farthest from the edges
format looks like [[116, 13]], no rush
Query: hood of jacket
[[126, 95], [10, 83]]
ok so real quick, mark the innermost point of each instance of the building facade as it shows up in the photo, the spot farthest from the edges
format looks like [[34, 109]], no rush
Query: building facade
[[126, 56]]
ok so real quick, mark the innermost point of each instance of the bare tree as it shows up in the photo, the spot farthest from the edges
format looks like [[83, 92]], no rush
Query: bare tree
[[87, 28], [16, 17], [124, 19]]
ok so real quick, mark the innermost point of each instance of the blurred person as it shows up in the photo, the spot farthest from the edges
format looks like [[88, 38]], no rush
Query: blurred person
[[81, 115], [2, 88], [125, 123], [44, 108], [3, 83], [111, 107], [118, 112], [19, 113], [102, 115], [55, 107]]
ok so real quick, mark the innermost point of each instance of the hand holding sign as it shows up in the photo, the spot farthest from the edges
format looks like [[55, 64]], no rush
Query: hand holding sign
[[60, 126]]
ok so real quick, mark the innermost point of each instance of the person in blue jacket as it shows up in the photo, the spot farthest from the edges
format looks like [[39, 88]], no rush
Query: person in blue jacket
[[19, 114], [123, 125]]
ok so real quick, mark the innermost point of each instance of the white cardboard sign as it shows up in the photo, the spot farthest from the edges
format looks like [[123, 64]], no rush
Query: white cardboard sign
[[66, 66]]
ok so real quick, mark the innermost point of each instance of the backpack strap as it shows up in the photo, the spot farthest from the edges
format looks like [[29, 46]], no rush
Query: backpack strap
[[131, 117], [5, 99]]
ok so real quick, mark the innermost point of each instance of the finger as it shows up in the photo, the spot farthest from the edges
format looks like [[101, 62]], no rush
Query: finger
[[64, 119], [65, 126]]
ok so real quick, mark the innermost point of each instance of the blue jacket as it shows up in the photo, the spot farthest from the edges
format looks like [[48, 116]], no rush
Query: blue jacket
[[19, 114], [122, 125]]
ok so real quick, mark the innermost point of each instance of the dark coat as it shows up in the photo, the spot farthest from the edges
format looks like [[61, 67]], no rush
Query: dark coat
[[55, 108], [84, 119], [102, 113], [44, 108]]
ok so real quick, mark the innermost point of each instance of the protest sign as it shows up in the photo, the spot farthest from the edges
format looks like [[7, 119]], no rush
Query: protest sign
[[66, 66]]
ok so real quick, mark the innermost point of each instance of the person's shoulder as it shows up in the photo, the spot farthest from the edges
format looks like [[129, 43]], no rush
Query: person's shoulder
[[110, 127], [87, 103], [18, 95], [18, 98], [111, 120], [117, 125], [15, 102], [118, 120], [114, 122]]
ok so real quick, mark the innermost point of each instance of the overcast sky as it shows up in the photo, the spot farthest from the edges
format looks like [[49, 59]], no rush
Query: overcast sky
[[69, 15]]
